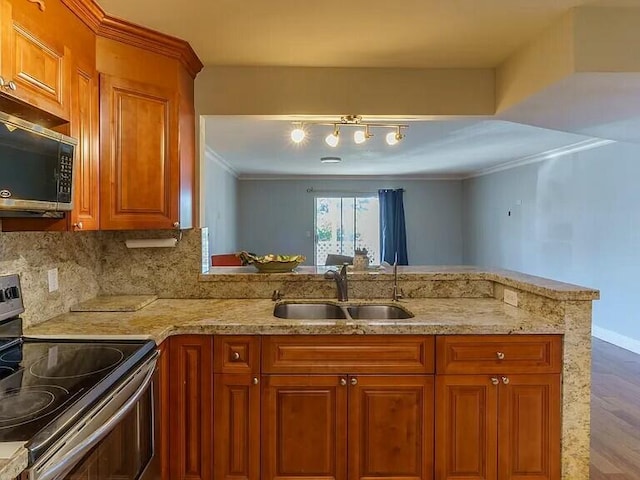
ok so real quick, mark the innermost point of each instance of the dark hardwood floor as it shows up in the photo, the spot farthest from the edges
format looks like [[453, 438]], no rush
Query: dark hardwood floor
[[615, 413]]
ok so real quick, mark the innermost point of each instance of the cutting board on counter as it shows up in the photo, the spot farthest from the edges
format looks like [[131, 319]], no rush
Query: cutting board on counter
[[116, 303]]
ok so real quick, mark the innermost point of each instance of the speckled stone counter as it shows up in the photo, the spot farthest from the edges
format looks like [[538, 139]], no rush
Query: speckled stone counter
[[14, 463], [537, 312], [166, 317]]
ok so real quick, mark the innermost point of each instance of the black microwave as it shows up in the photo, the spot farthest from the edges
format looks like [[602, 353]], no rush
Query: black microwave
[[36, 169]]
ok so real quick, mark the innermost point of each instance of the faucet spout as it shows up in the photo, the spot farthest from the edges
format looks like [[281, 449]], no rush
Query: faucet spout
[[342, 287]]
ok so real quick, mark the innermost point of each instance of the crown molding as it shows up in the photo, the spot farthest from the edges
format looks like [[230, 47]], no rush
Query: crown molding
[[88, 11], [213, 155], [268, 177], [540, 157], [129, 33]]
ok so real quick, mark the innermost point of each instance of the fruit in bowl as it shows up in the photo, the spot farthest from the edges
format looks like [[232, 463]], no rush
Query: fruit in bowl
[[272, 263]]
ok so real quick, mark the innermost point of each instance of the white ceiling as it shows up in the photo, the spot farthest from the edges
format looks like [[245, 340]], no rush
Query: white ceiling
[[257, 147], [380, 33], [354, 33]]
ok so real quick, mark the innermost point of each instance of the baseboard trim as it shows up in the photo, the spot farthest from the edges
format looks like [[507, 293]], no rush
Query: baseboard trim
[[616, 338]]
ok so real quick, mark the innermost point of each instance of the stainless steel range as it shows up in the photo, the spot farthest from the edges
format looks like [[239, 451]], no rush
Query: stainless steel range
[[85, 409]]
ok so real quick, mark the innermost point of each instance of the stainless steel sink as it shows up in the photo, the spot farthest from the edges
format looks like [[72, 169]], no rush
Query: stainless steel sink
[[330, 311], [378, 312], [309, 311]]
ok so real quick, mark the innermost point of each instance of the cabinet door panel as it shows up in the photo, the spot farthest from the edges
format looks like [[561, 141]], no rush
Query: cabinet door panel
[[139, 171], [304, 422], [391, 427], [529, 428], [39, 70], [84, 127], [191, 380], [466, 427], [237, 433]]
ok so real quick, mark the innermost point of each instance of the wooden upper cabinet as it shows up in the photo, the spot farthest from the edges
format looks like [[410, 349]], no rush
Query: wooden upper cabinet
[[139, 165], [391, 427], [36, 63], [85, 128], [147, 137]]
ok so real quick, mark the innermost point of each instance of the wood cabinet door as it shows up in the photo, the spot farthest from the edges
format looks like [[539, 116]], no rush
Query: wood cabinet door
[[529, 427], [391, 427], [40, 70], [139, 173], [466, 444], [304, 427], [191, 384], [84, 127], [236, 440], [163, 420]]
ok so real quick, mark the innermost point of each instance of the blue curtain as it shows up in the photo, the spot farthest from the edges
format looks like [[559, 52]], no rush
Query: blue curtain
[[393, 233]]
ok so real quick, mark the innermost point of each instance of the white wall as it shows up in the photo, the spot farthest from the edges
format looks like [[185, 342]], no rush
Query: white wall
[[277, 216], [573, 218], [220, 209]]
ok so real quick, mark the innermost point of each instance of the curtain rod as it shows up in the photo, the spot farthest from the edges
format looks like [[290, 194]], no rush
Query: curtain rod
[[313, 190]]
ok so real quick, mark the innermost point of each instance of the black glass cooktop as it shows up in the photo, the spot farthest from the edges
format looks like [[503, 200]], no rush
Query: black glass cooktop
[[46, 385]]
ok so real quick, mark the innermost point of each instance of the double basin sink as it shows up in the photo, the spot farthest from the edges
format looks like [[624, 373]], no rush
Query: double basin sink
[[333, 311]]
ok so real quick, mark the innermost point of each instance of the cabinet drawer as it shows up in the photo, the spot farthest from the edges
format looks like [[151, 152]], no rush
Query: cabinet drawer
[[348, 354], [236, 354], [498, 354]]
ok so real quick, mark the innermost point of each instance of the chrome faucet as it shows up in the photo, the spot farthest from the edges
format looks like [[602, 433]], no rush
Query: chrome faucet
[[341, 282], [397, 293]]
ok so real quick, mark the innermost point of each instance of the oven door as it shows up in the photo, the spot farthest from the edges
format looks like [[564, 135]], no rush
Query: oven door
[[115, 440]]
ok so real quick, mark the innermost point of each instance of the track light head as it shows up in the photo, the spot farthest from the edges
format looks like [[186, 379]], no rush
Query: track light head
[[393, 138], [361, 136], [298, 134], [333, 138]]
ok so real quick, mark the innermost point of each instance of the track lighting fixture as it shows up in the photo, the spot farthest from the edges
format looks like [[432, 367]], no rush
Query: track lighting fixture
[[360, 136]]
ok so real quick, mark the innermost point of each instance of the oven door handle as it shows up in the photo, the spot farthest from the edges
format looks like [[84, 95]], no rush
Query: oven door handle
[[74, 455]]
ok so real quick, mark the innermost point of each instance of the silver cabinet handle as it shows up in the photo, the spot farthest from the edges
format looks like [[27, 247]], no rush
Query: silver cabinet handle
[[343, 381], [505, 380], [78, 225], [256, 381], [354, 381], [500, 355], [235, 356], [12, 85], [495, 381], [176, 224]]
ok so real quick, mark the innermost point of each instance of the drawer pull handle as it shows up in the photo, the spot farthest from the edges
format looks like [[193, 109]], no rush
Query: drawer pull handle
[[495, 381], [500, 355], [354, 381], [505, 380], [235, 357], [256, 381], [343, 381]]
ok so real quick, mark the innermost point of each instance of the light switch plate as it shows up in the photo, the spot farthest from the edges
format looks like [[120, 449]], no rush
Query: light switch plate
[[510, 297], [53, 279]]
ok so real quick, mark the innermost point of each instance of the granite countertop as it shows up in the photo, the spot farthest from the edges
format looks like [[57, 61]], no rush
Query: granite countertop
[[166, 317], [522, 281], [13, 460]]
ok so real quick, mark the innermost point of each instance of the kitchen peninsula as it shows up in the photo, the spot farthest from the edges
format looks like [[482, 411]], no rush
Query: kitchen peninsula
[[460, 319]]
